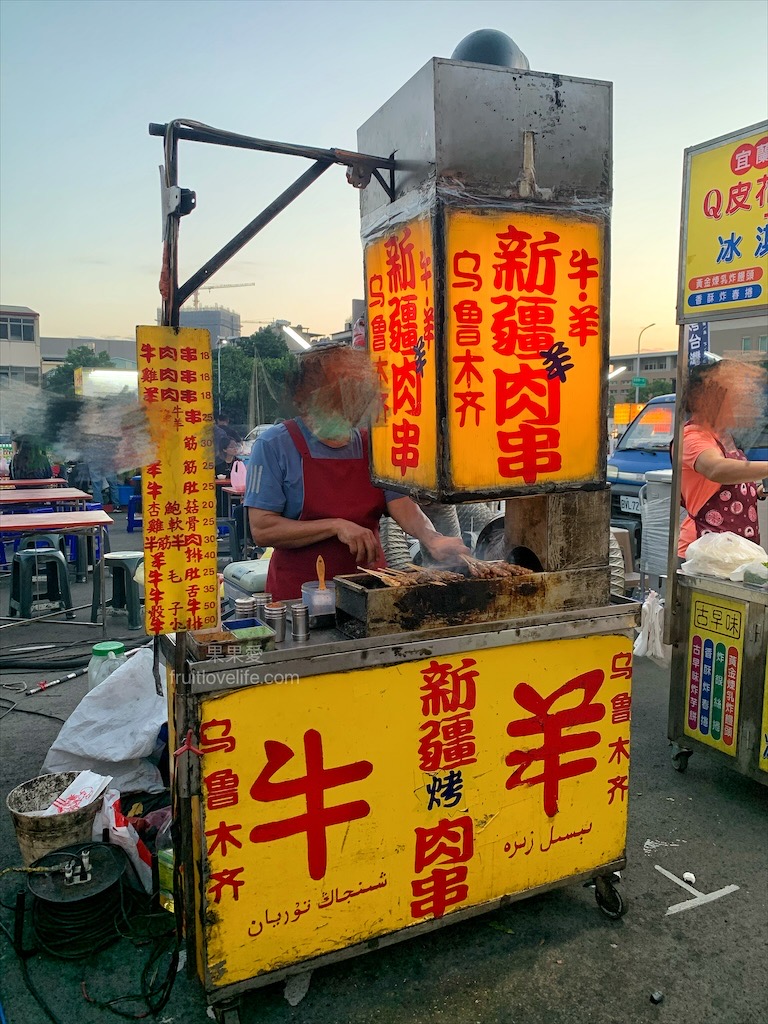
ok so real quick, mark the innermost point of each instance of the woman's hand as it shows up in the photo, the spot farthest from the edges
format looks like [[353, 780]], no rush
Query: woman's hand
[[360, 541], [445, 549]]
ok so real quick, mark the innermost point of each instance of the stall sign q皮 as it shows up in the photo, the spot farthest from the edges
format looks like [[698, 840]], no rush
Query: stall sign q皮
[[177, 487], [724, 245]]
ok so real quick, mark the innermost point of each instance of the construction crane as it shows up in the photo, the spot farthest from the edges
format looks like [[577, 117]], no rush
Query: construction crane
[[210, 287]]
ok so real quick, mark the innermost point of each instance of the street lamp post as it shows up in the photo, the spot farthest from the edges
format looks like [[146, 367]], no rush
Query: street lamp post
[[221, 342], [637, 386]]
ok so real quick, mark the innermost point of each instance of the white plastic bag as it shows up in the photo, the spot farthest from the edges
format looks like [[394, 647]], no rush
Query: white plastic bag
[[650, 639], [123, 834], [720, 554], [755, 573], [114, 728]]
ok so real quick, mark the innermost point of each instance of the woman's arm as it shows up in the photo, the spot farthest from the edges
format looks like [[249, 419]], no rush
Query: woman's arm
[[269, 529], [712, 464], [412, 520]]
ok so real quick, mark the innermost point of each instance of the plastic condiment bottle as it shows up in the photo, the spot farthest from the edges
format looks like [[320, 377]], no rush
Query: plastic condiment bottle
[[165, 865], [105, 658]]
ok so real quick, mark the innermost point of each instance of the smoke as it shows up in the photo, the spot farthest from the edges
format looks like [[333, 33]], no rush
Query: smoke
[[110, 434]]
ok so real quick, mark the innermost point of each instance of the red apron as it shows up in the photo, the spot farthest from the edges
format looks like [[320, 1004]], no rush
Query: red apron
[[333, 489], [733, 509]]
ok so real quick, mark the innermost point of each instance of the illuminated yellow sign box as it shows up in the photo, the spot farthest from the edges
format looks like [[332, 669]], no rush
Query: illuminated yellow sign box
[[514, 359], [446, 783], [177, 487], [401, 342], [724, 250]]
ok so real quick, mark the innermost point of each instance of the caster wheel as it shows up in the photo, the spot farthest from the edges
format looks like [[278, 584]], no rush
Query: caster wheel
[[680, 760], [608, 899], [227, 1015]]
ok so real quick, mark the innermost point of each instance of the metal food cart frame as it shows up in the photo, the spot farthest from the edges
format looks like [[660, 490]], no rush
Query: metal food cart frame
[[328, 652], [753, 679]]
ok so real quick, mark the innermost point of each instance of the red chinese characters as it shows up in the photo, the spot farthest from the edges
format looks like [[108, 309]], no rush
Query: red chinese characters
[[450, 842], [317, 818], [523, 305], [550, 718], [221, 793], [448, 696], [402, 332], [179, 506]]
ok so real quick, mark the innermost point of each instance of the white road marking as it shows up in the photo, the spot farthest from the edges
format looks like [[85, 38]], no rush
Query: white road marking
[[700, 898]]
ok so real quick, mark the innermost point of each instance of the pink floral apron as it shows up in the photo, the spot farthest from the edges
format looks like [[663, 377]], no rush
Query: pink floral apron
[[733, 509]]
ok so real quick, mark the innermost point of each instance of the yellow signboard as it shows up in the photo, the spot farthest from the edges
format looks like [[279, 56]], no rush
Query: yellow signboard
[[401, 342], [762, 757], [715, 659], [177, 488], [444, 784], [524, 344], [724, 250]]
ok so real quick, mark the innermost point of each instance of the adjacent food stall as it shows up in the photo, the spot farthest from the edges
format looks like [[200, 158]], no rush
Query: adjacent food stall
[[718, 628], [457, 737]]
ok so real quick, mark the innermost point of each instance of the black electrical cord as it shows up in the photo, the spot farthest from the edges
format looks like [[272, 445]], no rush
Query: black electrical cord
[[76, 661], [77, 931]]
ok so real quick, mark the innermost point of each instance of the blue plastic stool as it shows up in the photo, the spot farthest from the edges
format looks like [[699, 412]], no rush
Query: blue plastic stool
[[134, 513], [26, 565]]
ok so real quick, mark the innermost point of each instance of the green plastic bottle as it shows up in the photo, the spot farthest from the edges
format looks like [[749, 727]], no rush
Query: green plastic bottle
[[165, 865]]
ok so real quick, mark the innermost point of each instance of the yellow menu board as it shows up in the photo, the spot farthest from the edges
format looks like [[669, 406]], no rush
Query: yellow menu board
[[715, 659], [177, 487]]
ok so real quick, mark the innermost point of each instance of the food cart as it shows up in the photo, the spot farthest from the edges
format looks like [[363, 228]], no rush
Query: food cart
[[443, 748], [719, 629]]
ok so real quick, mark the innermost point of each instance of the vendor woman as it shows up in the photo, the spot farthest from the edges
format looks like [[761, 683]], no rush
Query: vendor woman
[[719, 486], [308, 488]]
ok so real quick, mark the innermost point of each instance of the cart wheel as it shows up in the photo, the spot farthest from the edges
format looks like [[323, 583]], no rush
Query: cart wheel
[[227, 1014], [608, 898], [680, 759]]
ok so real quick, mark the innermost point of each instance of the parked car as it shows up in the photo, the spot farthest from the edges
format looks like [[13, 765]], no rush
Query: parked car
[[645, 447], [250, 437]]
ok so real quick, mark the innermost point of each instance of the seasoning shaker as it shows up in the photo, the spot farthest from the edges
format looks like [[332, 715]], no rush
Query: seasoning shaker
[[300, 621], [274, 617], [260, 601]]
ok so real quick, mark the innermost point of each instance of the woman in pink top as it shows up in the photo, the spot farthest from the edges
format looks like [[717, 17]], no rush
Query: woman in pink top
[[718, 483]]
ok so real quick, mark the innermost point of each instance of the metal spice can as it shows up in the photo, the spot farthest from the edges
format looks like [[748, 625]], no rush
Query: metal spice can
[[300, 621], [245, 607], [260, 601], [274, 617]]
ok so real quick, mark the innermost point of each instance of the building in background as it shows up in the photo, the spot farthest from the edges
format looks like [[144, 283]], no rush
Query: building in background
[[745, 339], [122, 351], [19, 345], [219, 321]]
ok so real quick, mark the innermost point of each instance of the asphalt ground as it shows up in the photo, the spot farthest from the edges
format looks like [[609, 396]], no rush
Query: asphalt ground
[[550, 959]]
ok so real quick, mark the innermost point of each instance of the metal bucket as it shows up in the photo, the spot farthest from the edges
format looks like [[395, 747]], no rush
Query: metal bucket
[[37, 836]]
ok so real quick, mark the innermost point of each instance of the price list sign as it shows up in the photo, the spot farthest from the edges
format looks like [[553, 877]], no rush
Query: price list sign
[[177, 487]]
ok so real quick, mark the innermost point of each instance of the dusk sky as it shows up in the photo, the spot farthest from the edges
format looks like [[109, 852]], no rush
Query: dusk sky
[[80, 226]]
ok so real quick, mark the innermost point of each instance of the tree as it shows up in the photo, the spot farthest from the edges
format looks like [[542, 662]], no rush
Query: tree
[[62, 378], [657, 387], [254, 378]]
